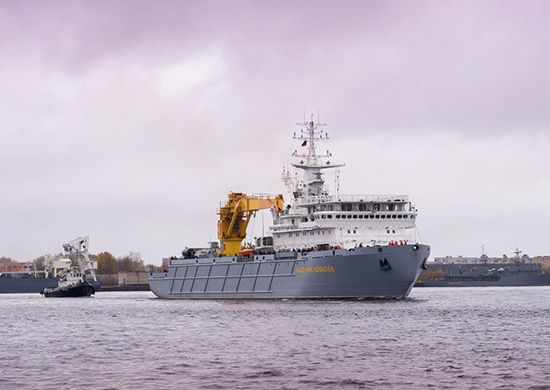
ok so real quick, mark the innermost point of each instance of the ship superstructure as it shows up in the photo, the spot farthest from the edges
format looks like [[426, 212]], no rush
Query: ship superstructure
[[316, 217], [322, 246]]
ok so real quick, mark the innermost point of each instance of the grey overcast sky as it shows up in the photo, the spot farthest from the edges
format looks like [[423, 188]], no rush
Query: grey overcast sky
[[130, 121]]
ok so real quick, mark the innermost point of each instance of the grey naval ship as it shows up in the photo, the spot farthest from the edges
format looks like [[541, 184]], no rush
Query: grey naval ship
[[484, 271], [323, 245]]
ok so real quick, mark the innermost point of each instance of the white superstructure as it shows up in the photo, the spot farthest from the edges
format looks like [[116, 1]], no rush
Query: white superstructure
[[316, 218]]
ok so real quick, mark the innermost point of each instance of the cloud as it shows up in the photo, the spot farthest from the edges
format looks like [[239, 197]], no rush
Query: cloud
[[130, 121]]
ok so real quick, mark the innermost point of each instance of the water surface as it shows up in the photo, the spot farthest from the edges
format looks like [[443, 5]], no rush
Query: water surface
[[479, 338]]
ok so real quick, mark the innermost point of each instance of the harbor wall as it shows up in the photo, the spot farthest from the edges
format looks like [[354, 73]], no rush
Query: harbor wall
[[124, 281]]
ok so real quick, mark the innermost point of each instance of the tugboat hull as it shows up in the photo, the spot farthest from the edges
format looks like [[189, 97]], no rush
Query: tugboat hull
[[74, 291]]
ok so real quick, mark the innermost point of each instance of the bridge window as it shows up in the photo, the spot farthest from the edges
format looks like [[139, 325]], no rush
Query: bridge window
[[394, 216], [377, 216], [337, 216], [383, 216], [329, 216], [399, 216], [355, 216]]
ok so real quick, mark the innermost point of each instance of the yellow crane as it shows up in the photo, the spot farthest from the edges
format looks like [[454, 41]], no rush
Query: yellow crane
[[235, 215]]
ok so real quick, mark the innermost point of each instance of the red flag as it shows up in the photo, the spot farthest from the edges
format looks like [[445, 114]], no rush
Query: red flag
[[304, 143]]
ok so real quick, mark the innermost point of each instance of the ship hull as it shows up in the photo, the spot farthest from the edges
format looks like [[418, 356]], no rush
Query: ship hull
[[16, 285], [504, 281], [78, 290], [485, 275], [373, 272]]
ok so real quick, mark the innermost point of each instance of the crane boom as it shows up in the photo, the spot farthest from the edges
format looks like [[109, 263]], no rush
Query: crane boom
[[235, 216]]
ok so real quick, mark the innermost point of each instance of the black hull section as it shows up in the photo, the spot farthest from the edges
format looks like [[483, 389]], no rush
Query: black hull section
[[79, 290]]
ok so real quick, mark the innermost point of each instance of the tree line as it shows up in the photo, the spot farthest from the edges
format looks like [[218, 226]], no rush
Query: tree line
[[109, 264], [106, 263]]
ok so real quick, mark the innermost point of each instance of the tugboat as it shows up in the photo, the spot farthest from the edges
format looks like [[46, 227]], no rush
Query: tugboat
[[79, 281]]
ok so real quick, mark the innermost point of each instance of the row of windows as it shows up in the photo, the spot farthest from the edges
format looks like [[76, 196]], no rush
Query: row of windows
[[357, 207], [371, 216], [297, 234]]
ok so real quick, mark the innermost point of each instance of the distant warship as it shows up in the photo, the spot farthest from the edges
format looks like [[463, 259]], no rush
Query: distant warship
[[322, 245], [484, 271]]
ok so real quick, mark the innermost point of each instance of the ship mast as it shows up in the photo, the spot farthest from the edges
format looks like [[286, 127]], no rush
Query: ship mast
[[310, 161]]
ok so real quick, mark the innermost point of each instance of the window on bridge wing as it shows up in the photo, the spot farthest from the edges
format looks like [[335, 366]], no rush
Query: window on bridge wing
[[347, 207]]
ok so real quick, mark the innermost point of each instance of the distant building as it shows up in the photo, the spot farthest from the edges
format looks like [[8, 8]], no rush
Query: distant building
[[8, 265], [133, 278]]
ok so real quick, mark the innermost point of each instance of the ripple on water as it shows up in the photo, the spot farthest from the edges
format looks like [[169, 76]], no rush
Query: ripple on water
[[441, 338]]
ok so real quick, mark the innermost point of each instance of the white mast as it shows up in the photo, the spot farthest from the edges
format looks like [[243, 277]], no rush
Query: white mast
[[310, 161]]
